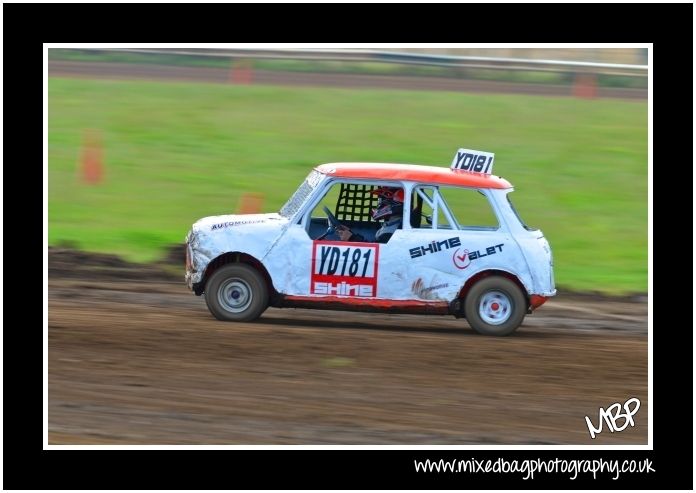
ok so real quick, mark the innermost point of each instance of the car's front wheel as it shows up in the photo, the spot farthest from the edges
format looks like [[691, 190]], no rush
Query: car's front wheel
[[495, 306], [236, 292]]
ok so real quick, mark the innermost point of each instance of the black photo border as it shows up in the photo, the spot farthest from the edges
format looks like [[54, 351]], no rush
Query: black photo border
[[27, 26]]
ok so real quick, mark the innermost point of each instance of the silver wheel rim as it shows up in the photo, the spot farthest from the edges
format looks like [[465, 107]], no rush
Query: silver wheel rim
[[234, 295], [495, 307]]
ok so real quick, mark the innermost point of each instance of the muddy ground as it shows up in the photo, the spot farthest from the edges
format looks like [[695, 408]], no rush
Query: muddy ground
[[135, 358]]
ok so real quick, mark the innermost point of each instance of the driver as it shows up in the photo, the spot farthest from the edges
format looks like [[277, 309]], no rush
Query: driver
[[390, 209]]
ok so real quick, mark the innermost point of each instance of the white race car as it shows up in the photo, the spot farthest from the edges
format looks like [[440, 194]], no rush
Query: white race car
[[394, 238]]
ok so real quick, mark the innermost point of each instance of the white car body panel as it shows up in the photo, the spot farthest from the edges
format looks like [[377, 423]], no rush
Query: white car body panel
[[210, 237], [416, 264]]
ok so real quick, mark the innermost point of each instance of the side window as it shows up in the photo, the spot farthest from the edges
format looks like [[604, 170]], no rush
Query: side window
[[471, 208], [351, 204], [517, 214], [429, 210], [329, 200], [422, 208]]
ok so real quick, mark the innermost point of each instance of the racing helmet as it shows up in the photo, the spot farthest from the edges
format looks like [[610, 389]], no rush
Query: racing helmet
[[390, 203]]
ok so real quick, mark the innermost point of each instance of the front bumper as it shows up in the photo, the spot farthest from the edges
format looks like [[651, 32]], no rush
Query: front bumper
[[192, 275]]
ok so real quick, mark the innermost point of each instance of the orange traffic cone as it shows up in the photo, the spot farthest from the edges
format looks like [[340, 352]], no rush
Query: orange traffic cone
[[250, 203], [585, 86], [241, 72], [91, 167]]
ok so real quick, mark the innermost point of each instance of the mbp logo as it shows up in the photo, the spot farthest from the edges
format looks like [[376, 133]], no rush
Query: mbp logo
[[344, 269], [612, 415]]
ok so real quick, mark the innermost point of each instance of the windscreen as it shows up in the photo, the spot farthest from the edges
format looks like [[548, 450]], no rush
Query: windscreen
[[302, 193]]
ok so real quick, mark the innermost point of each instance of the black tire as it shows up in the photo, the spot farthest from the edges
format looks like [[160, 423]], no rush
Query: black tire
[[495, 306], [237, 293]]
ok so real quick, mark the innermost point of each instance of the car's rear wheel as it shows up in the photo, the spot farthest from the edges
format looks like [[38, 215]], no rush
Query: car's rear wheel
[[495, 306], [236, 292]]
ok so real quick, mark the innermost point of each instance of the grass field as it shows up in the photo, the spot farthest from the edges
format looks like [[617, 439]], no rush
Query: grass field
[[175, 152]]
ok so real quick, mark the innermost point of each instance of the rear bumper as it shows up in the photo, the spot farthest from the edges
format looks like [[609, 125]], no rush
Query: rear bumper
[[536, 300]]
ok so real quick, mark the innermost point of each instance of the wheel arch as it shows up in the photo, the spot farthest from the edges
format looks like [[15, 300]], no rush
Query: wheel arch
[[230, 258], [487, 273]]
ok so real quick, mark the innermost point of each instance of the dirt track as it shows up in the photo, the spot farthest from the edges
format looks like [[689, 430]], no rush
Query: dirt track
[[135, 361]]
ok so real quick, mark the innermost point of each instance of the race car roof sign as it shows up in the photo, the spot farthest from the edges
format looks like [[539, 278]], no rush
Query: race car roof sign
[[470, 160]]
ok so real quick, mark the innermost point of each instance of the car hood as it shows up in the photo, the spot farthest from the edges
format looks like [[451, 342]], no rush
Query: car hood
[[213, 224]]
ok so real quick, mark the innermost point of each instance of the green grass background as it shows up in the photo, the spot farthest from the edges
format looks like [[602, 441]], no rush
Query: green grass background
[[174, 152], [374, 68]]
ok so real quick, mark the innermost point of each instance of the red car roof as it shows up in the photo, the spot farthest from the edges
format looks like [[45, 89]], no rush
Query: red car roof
[[413, 172]]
